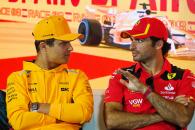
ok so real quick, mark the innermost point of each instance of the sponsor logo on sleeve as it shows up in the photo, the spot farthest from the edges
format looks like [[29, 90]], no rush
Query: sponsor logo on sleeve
[[11, 94]]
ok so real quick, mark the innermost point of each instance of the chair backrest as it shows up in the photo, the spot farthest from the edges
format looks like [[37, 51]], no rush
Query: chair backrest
[[4, 125]]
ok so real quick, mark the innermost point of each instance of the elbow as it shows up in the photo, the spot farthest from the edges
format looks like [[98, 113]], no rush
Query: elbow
[[87, 114], [109, 121], [185, 119], [87, 117], [13, 122], [184, 122], [15, 125], [109, 124]]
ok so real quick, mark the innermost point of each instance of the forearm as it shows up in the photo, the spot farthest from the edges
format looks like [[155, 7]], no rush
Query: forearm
[[25, 120], [79, 108], [171, 111], [124, 120], [18, 113], [71, 112]]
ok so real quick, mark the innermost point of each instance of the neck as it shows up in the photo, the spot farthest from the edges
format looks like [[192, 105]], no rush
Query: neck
[[42, 62], [154, 66]]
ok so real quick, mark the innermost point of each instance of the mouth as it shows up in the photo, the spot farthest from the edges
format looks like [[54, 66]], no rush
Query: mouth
[[134, 54]]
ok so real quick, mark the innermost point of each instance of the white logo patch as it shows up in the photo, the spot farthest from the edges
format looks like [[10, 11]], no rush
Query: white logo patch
[[169, 87], [136, 102]]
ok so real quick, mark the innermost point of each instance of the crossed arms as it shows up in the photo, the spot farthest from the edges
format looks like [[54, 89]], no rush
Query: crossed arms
[[178, 112], [20, 117]]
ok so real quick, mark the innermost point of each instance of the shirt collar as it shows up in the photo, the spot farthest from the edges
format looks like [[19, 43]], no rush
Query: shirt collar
[[34, 67], [166, 67]]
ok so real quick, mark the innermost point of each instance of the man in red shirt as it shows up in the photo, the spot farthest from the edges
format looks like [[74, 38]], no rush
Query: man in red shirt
[[151, 94]]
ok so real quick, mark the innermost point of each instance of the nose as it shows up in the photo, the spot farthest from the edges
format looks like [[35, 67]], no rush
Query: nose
[[70, 48]]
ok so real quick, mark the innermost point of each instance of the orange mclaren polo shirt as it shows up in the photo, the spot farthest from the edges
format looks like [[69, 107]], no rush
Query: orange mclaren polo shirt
[[66, 90]]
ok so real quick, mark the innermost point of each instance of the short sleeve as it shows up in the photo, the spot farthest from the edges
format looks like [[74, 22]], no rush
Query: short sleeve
[[187, 85], [115, 90]]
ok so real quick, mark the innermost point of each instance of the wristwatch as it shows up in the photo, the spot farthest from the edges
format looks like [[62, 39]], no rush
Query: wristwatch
[[34, 107]]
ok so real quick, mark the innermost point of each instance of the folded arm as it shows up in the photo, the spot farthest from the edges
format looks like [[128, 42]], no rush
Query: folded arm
[[115, 117], [171, 111], [17, 101], [78, 111]]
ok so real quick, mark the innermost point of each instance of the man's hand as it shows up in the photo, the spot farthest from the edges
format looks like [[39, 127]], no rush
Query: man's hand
[[39, 107], [134, 84], [44, 108], [182, 99]]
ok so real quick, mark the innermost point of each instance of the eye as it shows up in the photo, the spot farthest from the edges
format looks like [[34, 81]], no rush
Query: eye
[[64, 43], [139, 40]]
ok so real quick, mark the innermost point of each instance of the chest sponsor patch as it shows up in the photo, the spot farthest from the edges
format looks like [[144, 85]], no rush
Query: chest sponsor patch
[[169, 87], [64, 86], [32, 89], [65, 89], [169, 97], [136, 102]]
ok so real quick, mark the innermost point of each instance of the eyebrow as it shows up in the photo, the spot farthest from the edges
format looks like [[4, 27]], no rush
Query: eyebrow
[[60, 42]]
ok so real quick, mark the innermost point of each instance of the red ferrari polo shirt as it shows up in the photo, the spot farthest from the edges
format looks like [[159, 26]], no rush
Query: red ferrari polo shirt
[[169, 83]]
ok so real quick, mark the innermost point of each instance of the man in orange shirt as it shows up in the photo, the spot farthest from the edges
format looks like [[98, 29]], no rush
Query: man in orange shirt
[[46, 94]]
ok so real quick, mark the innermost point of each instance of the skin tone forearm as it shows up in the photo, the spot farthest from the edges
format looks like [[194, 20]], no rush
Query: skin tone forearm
[[170, 111], [126, 120], [44, 108], [118, 119], [136, 121]]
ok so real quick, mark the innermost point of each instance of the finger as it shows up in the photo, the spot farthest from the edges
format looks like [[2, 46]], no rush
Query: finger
[[181, 100], [179, 97], [122, 81], [120, 71], [128, 75]]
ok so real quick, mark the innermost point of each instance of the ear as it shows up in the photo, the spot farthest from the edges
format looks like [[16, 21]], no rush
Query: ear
[[42, 45], [159, 44]]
